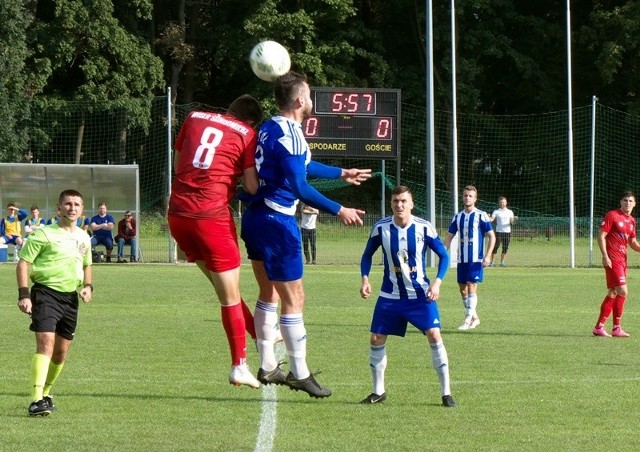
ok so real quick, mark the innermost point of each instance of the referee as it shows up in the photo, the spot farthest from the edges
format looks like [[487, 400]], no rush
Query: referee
[[57, 258]]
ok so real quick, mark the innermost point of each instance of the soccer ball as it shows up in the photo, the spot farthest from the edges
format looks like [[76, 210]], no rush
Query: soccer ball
[[269, 60]]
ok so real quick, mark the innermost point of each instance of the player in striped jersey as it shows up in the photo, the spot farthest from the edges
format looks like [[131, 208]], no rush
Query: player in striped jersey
[[472, 226], [407, 295]]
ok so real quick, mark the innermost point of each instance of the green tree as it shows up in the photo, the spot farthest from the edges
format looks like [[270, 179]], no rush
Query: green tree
[[14, 80], [98, 62]]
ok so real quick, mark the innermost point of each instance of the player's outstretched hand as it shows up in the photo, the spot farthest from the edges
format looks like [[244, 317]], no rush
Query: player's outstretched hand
[[355, 176], [349, 216]]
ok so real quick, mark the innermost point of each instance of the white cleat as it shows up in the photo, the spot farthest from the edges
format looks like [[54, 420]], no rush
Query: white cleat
[[466, 325], [240, 375], [474, 323]]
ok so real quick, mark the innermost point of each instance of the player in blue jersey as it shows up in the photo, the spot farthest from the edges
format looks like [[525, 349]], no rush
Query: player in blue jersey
[[407, 295], [272, 237], [472, 227]]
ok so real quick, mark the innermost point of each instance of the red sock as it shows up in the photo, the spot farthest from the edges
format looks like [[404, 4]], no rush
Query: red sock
[[618, 307], [233, 322], [605, 310], [248, 319]]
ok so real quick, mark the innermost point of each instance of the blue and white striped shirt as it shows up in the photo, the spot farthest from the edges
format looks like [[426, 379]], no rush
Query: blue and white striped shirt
[[404, 252], [283, 160], [471, 228]]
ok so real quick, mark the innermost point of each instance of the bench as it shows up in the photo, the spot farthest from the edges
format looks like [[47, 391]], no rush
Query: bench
[[524, 233]]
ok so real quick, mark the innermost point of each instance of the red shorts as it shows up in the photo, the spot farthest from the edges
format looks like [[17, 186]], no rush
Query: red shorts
[[213, 241], [616, 275]]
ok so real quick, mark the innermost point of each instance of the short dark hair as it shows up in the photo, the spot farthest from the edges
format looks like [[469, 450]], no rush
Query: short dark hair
[[246, 109], [627, 193], [398, 190], [34, 207], [287, 88], [69, 192]]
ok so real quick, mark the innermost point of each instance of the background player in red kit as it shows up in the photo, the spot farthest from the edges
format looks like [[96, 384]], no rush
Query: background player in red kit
[[212, 151], [617, 231]]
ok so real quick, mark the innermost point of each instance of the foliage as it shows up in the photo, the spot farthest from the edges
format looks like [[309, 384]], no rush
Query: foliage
[[14, 80]]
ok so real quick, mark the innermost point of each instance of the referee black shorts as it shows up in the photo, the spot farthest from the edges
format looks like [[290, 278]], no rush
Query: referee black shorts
[[53, 311]]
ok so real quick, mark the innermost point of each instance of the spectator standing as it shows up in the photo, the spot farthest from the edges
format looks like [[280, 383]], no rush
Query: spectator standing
[[472, 226], [57, 259], [272, 236], [407, 295], [127, 236], [503, 218], [308, 226], [101, 227], [617, 232]]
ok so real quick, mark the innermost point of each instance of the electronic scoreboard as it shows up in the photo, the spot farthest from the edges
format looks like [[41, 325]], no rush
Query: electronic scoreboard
[[354, 122]]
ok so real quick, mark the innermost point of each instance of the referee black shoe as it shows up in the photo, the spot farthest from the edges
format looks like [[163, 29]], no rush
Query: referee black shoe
[[374, 398], [39, 408], [308, 385], [448, 401], [49, 400]]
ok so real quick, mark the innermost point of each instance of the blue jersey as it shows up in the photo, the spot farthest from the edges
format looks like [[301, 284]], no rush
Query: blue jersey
[[282, 161], [102, 233], [404, 252], [471, 228]]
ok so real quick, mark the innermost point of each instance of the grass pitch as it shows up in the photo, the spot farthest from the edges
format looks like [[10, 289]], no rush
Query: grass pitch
[[149, 367]]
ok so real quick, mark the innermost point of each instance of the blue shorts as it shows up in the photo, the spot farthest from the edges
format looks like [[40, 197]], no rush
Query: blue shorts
[[390, 317], [274, 239], [10, 239], [470, 272]]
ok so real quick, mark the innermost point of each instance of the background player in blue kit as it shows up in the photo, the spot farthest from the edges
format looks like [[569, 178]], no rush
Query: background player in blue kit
[[471, 225], [272, 237], [407, 295]]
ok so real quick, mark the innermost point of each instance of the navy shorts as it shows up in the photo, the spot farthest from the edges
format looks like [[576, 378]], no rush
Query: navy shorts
[[470, 272], [273, 238], [53, 311], [390, 317]]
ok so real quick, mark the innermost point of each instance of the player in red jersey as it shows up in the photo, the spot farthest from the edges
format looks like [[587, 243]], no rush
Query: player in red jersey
[[212, 151], [617, 231]]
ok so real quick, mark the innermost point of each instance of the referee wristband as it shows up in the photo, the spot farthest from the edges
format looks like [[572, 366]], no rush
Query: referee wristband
[[23, 292], [90, 286]]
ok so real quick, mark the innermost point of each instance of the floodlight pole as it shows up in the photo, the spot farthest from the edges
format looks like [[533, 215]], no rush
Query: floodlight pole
[[572, 258], [172, 243], [430, 151]]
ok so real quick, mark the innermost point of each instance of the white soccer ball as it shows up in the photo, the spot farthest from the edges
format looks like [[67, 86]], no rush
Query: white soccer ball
[[269, 60]]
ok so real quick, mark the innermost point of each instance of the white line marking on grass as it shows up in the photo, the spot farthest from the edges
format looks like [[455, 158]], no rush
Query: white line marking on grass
[[269, 415]]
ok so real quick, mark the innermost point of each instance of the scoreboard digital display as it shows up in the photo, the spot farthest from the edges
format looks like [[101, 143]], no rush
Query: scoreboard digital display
[[354, 122]]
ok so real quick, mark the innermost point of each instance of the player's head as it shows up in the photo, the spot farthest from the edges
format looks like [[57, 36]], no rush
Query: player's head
[[11, 207], [627, 201], [502, 201], [246, 109], [70, 205], [401, 202], [292, 92], [102, 209], [469, 196], [35, 211]]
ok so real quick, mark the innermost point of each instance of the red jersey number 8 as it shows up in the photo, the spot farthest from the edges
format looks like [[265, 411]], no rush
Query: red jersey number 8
[[209, 141]]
